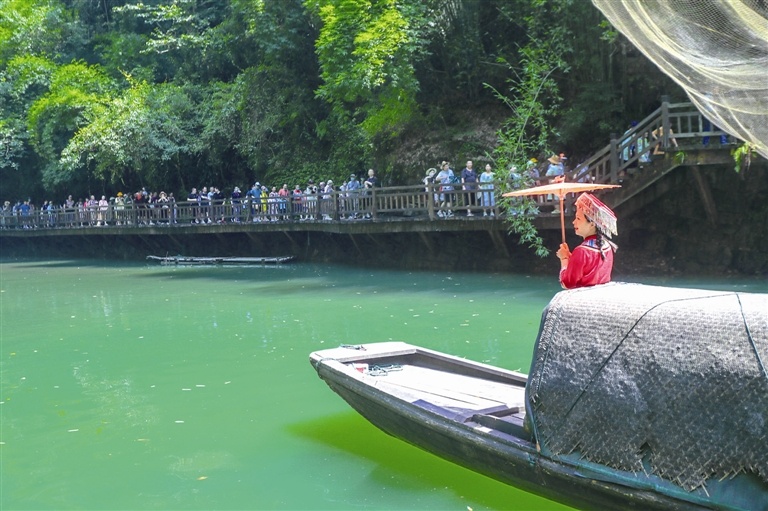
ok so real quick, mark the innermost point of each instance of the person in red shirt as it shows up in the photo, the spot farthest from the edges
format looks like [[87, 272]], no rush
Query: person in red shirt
[[591, 262]]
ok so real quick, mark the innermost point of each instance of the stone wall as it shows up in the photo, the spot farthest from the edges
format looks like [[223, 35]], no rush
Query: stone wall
[[676, 233]]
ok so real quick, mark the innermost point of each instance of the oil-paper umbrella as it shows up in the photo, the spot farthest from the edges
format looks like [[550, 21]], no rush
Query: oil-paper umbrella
[[560, 189]]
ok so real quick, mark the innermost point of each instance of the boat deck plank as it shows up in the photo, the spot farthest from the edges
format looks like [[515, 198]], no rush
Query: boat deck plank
[[413, 383]]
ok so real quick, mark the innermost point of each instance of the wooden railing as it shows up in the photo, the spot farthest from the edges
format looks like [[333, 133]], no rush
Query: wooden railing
[[672, 125], [418, 201]]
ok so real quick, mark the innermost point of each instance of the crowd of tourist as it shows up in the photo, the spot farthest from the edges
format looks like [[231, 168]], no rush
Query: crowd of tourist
[[208, 204], [478, 192], [465, 191]]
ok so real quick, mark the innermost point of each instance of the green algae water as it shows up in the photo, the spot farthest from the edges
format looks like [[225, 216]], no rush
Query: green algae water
[[133, 386]]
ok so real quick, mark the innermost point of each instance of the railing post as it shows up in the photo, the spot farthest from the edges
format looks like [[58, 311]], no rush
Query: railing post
[[665, 123], [431, 200], [614, 158], [373, 202]]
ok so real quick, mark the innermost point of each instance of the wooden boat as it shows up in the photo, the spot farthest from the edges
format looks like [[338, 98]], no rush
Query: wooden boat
[[220, 260], [500, 422]]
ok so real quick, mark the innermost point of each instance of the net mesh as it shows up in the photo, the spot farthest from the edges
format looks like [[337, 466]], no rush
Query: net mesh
[[663, 380], [717, 50]]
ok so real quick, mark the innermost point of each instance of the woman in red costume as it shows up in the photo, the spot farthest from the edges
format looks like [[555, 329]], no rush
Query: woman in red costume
[[591, 262]]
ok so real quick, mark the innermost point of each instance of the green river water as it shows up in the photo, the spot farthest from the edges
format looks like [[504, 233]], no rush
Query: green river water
[[137, 386]]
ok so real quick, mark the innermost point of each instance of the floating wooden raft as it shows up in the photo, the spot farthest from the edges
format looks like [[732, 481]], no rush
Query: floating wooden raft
[[219, 260]]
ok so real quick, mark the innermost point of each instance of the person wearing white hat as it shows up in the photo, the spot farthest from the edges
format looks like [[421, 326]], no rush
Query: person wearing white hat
[[554, 171], [371, 182], [429, 183], [590, 263], [327, 196]]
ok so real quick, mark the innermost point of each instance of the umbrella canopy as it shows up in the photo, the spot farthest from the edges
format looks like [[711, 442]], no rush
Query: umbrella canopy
[[560, 189]]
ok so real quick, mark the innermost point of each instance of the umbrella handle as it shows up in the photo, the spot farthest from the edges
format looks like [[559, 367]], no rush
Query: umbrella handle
[[562, 219]]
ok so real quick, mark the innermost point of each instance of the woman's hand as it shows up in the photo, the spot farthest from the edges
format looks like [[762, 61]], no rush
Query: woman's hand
[[564, 254]]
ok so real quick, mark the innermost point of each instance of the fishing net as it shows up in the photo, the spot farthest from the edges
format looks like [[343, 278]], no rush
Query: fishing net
[[652, 379], [717, 50]]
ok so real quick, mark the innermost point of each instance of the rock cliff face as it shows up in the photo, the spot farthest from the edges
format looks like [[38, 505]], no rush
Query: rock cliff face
[[679, 232], [673, 235]]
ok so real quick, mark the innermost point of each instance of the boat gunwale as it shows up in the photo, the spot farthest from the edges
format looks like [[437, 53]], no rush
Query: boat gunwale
[[340, 375]]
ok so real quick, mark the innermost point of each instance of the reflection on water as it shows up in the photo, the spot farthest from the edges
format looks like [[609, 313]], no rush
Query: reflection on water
[[141, 386]]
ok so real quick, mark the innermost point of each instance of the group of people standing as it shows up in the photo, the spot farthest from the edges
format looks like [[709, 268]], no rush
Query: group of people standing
[[261, 203], [478, 190], [204, 205], [83, 212], [590, 263]]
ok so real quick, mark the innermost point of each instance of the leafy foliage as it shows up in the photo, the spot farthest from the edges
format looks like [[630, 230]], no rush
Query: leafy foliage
[[144, 131], [30, 27], [12, 138], [24, 78], [367, 51], [54, 117], [28, 76], [520, 222], [742, 156], [180, 93], [175, 25], [534, 100]]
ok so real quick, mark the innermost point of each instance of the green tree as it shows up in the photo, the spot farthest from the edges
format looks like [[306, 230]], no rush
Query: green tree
[[24, 79], [534, 101], [12, 140], [53, 118], [139, 137], [30, 27], [34, 35], [179, 35], [367, 51]]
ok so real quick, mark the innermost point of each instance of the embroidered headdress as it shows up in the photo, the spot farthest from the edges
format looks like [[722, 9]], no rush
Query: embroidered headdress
[[598, 213]]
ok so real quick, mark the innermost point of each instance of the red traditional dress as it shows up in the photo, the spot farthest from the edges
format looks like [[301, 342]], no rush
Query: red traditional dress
[[587, 267]]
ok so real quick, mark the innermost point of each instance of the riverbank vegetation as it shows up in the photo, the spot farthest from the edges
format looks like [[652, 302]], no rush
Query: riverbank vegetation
[[101, 96]]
